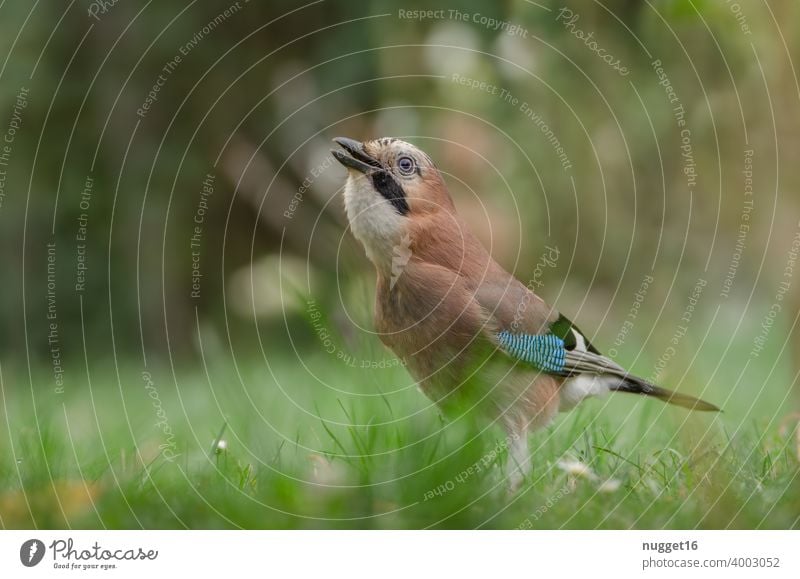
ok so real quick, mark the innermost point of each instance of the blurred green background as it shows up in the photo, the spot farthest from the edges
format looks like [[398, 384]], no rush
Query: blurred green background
[[171, 230]]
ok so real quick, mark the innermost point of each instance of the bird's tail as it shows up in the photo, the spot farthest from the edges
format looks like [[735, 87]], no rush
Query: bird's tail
[[636, 385]]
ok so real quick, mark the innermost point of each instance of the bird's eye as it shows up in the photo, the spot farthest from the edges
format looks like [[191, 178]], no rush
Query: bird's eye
[[406, 165]]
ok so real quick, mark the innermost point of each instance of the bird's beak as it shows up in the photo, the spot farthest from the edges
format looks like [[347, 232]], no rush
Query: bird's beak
[[354, 156]]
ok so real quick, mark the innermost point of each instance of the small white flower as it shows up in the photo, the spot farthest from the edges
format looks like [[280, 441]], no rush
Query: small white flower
[[221, 446], [326, 473], [576, 468], [609, 486]]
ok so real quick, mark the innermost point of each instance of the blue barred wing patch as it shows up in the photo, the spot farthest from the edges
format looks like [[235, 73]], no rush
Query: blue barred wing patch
[[546, 352]]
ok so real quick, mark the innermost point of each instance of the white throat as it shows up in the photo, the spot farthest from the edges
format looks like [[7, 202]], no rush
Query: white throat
[[374, 221]]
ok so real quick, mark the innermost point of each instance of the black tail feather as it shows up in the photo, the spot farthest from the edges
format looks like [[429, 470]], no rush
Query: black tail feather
[[638, 386]]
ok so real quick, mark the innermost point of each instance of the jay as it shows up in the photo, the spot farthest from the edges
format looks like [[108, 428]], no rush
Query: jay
[[468, 332]]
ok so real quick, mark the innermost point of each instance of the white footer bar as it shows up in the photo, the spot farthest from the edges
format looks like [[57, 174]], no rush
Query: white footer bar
[[390, 554]]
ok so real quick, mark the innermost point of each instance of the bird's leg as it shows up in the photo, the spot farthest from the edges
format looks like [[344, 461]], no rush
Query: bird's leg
[[519, 461]]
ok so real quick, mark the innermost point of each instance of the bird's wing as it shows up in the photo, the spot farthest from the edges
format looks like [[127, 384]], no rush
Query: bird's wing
[[524, 328], [531, 331], [512, 305], [560, 349], [563, 350]]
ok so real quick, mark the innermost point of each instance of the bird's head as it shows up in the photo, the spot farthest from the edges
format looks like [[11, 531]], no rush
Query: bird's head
[[390, 184]]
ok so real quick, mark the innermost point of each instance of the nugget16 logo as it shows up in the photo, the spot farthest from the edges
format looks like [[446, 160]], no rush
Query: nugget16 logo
[[31, 552]]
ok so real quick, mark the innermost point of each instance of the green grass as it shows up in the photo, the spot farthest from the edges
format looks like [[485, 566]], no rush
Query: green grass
[[365, 450]]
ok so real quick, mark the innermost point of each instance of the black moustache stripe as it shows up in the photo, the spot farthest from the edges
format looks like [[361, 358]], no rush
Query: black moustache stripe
[[390, 190]]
